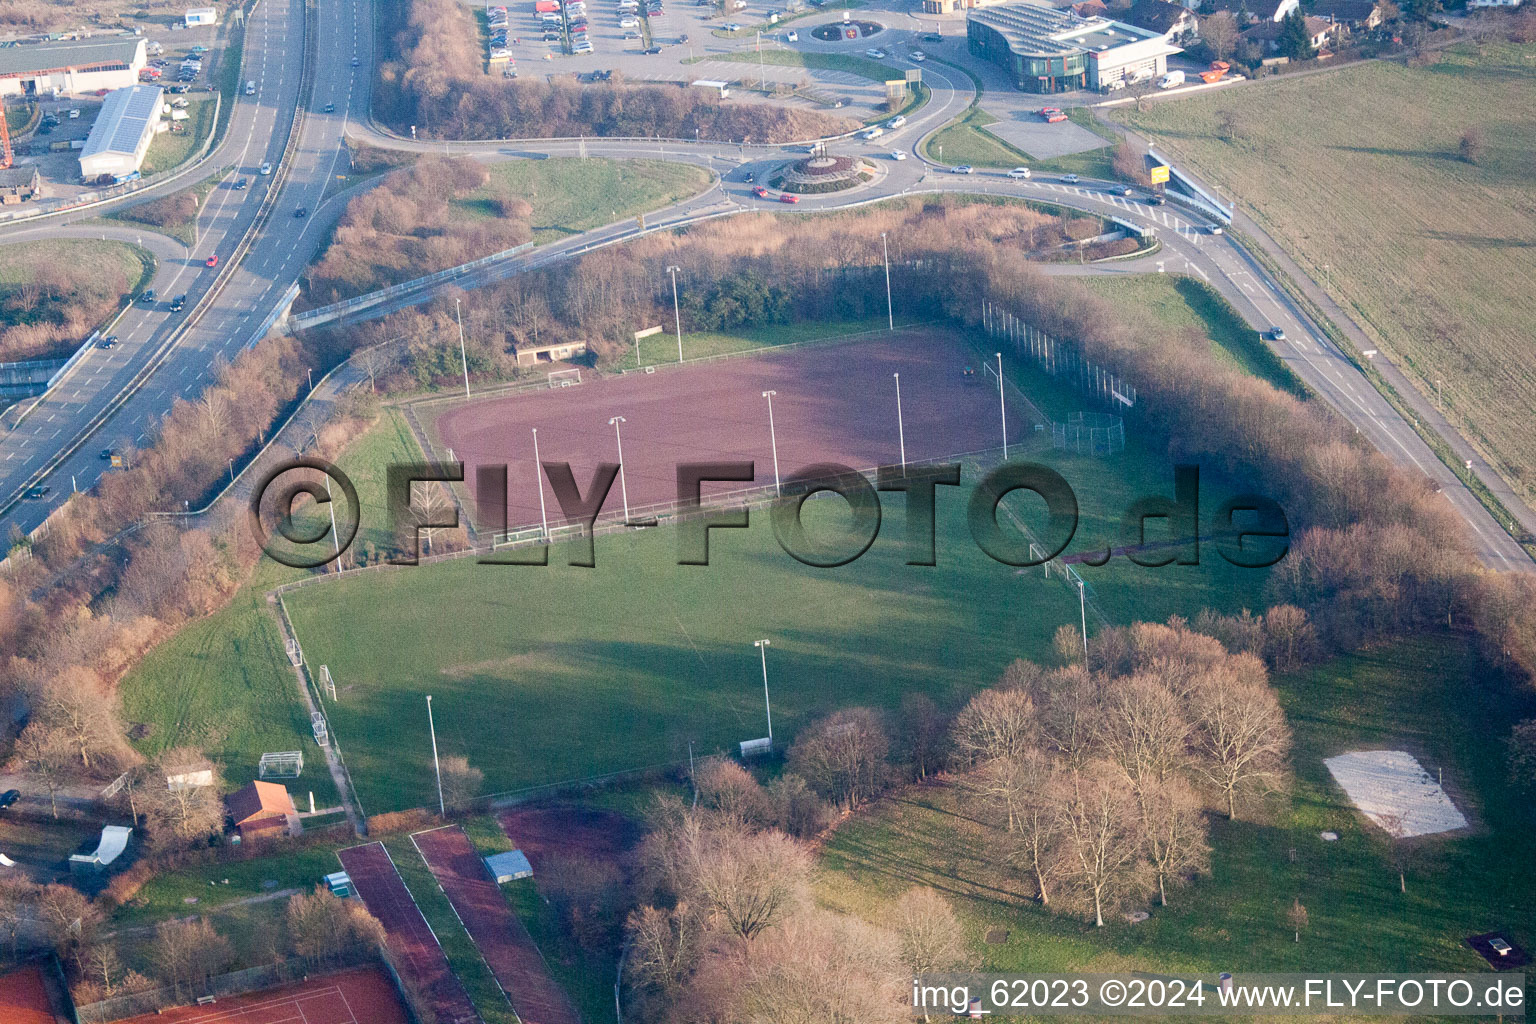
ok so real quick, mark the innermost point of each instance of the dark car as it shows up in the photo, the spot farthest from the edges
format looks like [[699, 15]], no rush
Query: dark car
[[178, 302], [1156, 199], [106, 455], [9, 797], [108, 343], [148, 297], [356, 62], [933, 38], [39, 492], [329, 108], [240, 184], [651, 49]]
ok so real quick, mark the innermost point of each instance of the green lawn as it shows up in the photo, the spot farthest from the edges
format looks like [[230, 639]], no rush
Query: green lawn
[[662, 348], [1357, 173], [861, 66], [571, 195], [184, 231], [86, 259], [964, 142], [1431, 696], [170, 150], [659, 655], [1177, 302], [166, 894], [224, 682]]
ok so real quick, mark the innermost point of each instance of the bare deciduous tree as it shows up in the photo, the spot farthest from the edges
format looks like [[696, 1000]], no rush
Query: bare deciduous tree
[[1103, 848], [843, 756], [997, 725], [928, 933], [1240, 736], [462, 783], [1174, 833], [730, 790]]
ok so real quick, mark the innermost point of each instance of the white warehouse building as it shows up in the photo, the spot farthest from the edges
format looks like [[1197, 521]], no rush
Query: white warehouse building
[[73, 67], [122, 132], [201, 16]]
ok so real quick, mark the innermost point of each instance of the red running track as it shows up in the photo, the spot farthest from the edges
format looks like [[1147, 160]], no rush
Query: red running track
[[504, 942], [420, 957], [350, 997]]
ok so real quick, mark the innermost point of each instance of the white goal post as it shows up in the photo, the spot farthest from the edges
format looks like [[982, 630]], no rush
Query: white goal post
[[282, 764], [295, 654], [327, 684], [564, 378]]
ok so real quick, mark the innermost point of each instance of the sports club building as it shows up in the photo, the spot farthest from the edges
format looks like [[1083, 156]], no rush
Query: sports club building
[[1048, 50]]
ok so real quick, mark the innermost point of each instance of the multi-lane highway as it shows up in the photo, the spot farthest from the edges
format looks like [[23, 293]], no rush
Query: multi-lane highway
[[65, 433]]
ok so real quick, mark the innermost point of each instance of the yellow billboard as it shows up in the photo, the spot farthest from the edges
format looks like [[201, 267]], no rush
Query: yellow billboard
[[1160, 174]]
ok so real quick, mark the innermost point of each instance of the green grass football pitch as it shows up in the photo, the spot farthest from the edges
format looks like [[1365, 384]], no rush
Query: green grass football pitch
[[548, 674]]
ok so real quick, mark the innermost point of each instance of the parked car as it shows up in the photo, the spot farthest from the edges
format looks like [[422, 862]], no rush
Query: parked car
[[788, 197], [962, 169], [1019, 172], [9, 797], [106, 455], [651, 50], [212, 261], [74, 114], [582, 47], [629, 23]]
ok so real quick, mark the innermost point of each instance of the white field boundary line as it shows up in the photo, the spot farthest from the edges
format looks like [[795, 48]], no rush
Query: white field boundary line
[[449, 900], [158, 358]]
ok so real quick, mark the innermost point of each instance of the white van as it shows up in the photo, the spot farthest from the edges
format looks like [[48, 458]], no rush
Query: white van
[[250, 88]]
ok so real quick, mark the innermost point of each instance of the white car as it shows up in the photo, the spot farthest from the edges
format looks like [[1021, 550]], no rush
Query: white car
[[1216, 229], [897, 154], [1070, 179], [896, 122], [1019, 172], [582, 48], [792, 36], [74, 113], [266, 168], [919, 56], [875, 54], [962, 169], [870, 134], [629, 23], [731, 27]]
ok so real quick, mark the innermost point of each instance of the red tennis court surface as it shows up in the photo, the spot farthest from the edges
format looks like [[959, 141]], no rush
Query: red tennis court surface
[[504, 942], [24, 998], [351, 997], [833, 403], [417, 951], [564, 830]]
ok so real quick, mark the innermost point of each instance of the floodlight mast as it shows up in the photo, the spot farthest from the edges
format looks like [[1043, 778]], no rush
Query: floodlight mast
[[441, 809], [773, 439], [901, 430], [623, 486], [677, 316], [762, 648]]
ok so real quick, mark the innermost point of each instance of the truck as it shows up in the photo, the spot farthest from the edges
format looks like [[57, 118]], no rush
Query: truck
[[1170, 80]]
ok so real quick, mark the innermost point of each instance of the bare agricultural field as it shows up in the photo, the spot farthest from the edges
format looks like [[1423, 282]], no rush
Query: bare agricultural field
[[1361, 171]]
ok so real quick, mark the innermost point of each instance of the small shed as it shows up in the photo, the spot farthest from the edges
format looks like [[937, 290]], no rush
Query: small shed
[[262, 809], [201, 16], [340, 884], [559, 352], [509, 866]]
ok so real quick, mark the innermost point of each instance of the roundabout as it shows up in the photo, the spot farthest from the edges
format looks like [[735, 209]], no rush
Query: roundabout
[[823, 173], [843, 31]]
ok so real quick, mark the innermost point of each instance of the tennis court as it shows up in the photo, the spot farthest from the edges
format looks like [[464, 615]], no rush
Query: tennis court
[[363, 996]]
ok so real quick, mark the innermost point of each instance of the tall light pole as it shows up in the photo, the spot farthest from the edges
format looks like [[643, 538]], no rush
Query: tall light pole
[[773, 439], [677, 316], [762, 648], [1002, 404], [441, 809], [1082, 607], [463, 359], [538, 478], [623, 486], [890, 314], [901, 430]]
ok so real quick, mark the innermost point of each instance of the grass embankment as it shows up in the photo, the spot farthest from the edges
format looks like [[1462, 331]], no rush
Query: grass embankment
[[965, 142], [224, 684], [1178, 302], [87, 281], [873, 70], [174, 215], [1359, 171], [1430, 696], [172, 149], [571, 195]]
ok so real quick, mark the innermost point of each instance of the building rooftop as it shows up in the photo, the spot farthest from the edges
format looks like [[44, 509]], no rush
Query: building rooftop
[[125, 116], [1157, 15], [1045, 31], [259, 800], [75, 53]]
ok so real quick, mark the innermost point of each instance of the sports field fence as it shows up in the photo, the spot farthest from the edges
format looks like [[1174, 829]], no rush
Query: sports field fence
[[1058, 357]]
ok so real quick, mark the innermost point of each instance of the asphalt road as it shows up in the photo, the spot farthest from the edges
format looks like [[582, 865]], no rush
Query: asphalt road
[[288, 244]]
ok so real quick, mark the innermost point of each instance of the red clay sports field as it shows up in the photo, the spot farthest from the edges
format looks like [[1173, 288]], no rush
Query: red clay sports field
[[833, 403], [362, 996]]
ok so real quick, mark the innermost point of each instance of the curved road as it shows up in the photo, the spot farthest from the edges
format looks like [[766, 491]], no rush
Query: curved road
[[258, 286]]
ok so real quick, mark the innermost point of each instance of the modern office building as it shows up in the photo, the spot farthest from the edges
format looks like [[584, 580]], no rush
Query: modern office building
[[1048, 50]]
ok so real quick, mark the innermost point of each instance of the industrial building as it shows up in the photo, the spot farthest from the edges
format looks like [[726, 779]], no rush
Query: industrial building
[[1049, 50], [73, 67], [200, 16], [122, 132]]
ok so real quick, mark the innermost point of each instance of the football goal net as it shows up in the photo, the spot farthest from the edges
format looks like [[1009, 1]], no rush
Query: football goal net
[[564, 378], [282, 764], [327, 684]]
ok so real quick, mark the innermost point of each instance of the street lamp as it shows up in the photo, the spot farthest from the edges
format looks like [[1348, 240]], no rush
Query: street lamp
[[441, 809], [677, 316], [773, 439], [538, 478], [1082, 607], [463, 359], [901, 430], [1002, 404], [623, 486], [890, 314], [762, 648]]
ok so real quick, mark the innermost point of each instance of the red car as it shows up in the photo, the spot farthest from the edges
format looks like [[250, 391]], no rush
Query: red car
[[213, 260], [786, 197], [760, 192], [1052, 115]]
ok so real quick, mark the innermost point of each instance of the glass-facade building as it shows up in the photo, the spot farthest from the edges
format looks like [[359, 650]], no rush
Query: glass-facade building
[[1046, 50]]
